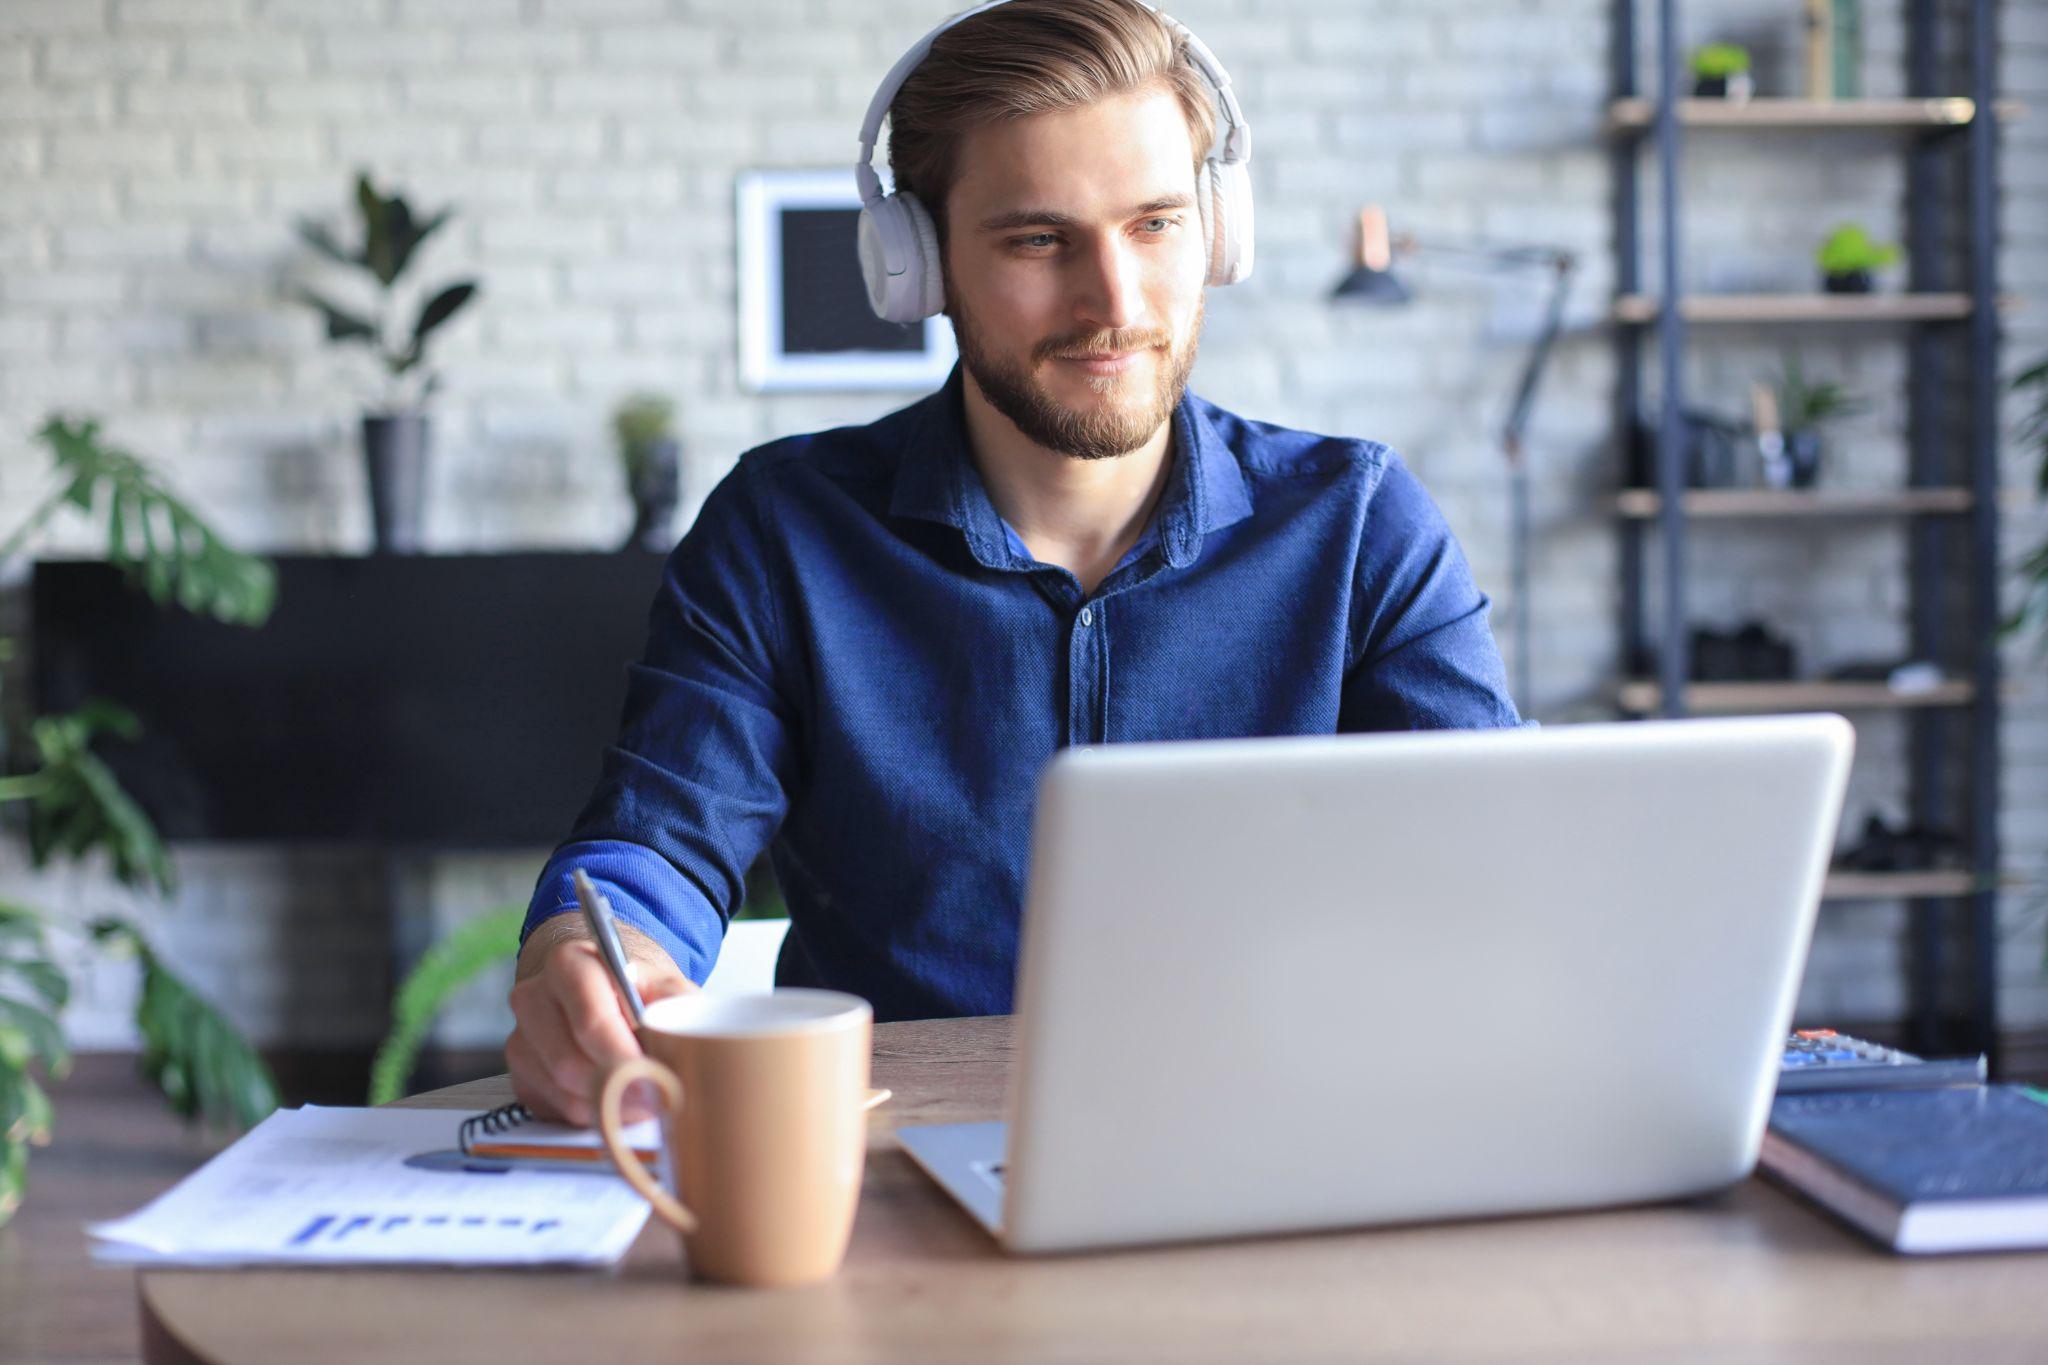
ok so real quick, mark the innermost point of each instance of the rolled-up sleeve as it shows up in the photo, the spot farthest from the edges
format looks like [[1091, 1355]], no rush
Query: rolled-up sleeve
[[697, 781], [1421, 653]]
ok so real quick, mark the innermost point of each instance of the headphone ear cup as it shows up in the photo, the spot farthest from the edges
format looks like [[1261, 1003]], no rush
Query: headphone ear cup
[[1225, 192], [932, 282], [899, 259]]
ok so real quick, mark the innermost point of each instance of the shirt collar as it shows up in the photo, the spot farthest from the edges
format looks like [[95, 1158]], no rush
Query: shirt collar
[[936, 480]]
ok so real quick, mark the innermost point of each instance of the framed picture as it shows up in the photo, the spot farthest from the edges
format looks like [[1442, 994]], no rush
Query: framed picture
[[805, 322]]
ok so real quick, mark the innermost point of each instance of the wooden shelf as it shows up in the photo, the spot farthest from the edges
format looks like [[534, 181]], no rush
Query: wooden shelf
[[1731, 698], [1730, 503], [1643, 308], [1771, 112], [1880, 886]]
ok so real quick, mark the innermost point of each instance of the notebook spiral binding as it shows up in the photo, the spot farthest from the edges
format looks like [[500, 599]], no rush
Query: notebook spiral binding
[[492, 1123]]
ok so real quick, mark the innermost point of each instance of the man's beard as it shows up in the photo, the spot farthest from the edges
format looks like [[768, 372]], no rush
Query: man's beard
[[1014, 391]]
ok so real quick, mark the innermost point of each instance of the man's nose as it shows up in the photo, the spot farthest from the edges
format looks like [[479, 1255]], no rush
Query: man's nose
[[1110, 296]]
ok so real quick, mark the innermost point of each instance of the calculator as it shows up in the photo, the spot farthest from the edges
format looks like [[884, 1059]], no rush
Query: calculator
[[1822, 1059]]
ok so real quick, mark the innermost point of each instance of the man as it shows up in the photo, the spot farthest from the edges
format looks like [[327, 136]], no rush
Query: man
[[874, 638]]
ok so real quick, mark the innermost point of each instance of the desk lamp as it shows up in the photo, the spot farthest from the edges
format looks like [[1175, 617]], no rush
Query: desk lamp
[[1372, 281]]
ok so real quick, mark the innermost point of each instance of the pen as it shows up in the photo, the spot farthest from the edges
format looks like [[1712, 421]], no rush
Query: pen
[[597, 914]]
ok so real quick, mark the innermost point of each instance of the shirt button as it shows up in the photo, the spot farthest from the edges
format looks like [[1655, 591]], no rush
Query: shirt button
[[1087, 616]]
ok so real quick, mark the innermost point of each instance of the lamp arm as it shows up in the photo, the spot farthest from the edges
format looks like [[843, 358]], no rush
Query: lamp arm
[[1496, 253], [1539, 356]]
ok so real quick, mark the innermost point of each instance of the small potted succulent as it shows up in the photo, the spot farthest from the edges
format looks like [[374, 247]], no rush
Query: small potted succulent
[[395, 430], [1721, 71], [1849, 257], [1804, 406], [652, 458]]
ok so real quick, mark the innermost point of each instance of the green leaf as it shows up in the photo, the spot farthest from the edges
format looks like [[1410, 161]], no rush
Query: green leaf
[[377, 245], [44, 979], [45, 1037], [205, 1068], [441, 971], [13, 1177], [342, 325], [317, 236], [153, 536], [25, 1111], [439, 309], [415, 235], [79, 804]]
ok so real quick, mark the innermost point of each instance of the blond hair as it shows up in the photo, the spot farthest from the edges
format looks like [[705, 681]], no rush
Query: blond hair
[[1033, 57]]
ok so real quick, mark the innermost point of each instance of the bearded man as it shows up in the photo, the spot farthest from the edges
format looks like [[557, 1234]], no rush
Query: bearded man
[[873, 639]]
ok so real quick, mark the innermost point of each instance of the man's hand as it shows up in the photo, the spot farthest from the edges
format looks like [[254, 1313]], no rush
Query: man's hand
[[570, 1025]]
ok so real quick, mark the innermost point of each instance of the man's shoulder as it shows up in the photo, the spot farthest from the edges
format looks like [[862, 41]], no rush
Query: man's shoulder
[[1272, 451], [1268, 448], [855, 453]]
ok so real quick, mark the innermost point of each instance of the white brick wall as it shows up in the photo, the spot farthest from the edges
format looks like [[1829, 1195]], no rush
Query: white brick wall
[[155, 151]]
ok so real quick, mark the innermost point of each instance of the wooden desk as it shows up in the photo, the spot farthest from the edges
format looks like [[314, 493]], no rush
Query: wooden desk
[[1747, 1276]]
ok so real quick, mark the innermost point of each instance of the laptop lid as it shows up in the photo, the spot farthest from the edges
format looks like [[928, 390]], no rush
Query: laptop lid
[[1296, 983]]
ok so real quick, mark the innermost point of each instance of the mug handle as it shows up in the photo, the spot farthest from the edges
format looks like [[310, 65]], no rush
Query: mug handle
[[609, 1097]]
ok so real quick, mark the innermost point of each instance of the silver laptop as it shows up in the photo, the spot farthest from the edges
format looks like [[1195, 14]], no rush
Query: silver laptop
[[1281, 984]]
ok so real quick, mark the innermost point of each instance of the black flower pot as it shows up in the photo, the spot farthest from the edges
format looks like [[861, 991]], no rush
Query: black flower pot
[[1802, 452], [657, 485], [395, 454], [1849, 282], [1710, 87]]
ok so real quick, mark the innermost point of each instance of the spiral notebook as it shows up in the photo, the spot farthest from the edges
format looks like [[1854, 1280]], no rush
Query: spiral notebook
[[511, 1133]]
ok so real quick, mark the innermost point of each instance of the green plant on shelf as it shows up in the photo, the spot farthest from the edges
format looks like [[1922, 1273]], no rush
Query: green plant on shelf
[[1804, 405], [390, 237], [1718, 61], [641, 423], [74, 809], [1850, 250]]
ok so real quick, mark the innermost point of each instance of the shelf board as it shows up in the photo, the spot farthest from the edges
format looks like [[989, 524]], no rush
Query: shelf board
[[1876, 886], [1773, 112], [1729, 698], [1643, 308], [1644, 503]]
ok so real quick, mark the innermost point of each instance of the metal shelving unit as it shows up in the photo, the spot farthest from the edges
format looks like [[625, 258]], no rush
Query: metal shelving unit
[[1947, 319]]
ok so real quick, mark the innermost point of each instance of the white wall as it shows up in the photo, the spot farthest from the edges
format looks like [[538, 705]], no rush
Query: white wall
[[155, 151]]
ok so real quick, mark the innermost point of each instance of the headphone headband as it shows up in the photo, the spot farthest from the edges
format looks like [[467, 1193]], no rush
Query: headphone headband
[[1232, 144]]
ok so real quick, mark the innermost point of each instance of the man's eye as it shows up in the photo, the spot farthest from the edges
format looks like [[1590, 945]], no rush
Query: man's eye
[[1158, 227], [1038, 239]]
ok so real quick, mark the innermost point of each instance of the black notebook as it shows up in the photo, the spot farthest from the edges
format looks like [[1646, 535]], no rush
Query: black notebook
[[1960, 1169]]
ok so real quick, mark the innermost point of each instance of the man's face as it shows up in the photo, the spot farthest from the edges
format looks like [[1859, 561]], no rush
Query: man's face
[[1074, 264]]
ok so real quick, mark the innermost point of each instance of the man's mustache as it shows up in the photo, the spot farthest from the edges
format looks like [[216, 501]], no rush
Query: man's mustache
[[1101, 345]]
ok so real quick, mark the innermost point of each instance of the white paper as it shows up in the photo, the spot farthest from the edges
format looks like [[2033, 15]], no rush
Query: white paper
[[333, 1186]]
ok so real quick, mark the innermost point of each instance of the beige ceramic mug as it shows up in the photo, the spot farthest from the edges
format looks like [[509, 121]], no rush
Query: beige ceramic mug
[[764, 1102]]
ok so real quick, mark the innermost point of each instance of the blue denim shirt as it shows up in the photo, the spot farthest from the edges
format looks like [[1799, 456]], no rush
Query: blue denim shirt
[[854, 663]]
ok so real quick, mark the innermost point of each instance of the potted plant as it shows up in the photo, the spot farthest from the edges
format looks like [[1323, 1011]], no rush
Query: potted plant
[[1849, 257], [652, 458], [1803, 407], [1721, 71], [395, 430], [76, 810]]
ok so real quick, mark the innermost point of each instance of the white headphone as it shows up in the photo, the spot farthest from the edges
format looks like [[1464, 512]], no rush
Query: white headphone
[[899, 248]]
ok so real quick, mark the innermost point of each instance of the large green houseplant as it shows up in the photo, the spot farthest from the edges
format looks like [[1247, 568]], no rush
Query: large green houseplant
[[71, 808]]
